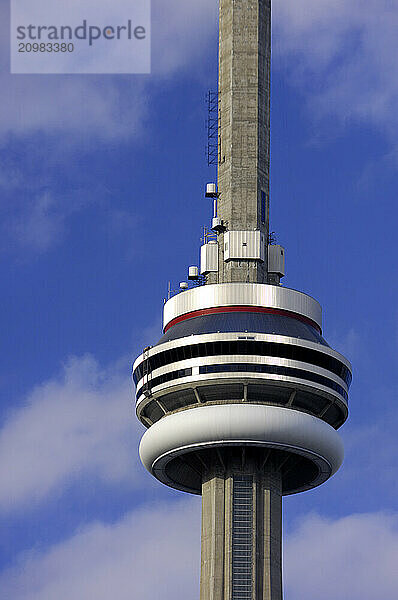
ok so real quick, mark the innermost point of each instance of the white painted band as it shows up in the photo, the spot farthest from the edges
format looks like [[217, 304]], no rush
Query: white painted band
[[241, 424], [242, 294]]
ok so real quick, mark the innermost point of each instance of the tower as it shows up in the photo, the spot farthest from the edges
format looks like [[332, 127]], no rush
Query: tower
[[242, 397]]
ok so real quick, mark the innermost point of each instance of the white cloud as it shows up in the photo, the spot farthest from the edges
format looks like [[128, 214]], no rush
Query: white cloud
[[150, 554], [33, 224], [66, 112], [75, 107], [181, 33], [153, 554], [341, 54], [371, 452], [349, 344], [37, 223], [41, 225], [353, 558], [103, 108], [80, 424]]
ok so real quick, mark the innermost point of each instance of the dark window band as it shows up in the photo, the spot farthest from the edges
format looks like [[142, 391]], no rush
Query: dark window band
[[167, 377], [274, 370], [249, 368], [243, 347]]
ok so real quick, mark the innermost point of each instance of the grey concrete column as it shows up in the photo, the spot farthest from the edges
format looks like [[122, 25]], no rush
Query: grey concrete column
[[269, 536], [241, 533], [244, 127], [213, 537]]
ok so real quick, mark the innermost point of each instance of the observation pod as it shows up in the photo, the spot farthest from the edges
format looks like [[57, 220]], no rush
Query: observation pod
[[242, 373]]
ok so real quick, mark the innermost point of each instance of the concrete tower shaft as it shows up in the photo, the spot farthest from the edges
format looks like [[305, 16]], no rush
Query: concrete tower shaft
[[242, 396], [242, 530], [244, 130]]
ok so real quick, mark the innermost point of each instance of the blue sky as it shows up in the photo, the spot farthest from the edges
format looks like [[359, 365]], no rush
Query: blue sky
[[101, 204]]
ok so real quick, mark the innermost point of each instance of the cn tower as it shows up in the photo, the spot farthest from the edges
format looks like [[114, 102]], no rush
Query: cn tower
[[242, 397]]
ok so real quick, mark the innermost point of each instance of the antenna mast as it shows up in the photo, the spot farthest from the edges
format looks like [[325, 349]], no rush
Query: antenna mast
[[244, 135]]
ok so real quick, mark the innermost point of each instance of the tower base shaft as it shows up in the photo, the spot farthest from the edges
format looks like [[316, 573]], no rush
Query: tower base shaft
[[241, 531]]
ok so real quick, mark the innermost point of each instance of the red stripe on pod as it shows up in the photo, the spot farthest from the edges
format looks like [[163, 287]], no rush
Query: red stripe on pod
[[249, 309]]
